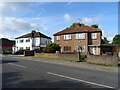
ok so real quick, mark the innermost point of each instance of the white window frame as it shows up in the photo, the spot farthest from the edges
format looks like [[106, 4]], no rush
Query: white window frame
[[76, 48], [94, 35], [80, 36], [57, 37], [67, 36]]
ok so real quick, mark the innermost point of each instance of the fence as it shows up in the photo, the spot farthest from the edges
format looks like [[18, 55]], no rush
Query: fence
[[104, 59], [58, 55]]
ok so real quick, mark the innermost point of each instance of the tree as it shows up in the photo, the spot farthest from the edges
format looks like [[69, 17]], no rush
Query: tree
[[116, 40], [105, 41], [52, 48], [79, 49], [73, 25], [77, 24], [94, 25]]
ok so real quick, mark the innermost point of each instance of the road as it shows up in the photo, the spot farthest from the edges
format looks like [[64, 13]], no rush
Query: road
[[19, 73]]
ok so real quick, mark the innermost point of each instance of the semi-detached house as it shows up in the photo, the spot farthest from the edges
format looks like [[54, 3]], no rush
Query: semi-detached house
[[87, 37], [31, 41]]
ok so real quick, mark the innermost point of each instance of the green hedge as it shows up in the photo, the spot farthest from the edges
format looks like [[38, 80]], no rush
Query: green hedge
[[7, 52]]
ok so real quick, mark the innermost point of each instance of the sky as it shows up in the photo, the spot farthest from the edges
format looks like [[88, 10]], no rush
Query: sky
[[19, 18]]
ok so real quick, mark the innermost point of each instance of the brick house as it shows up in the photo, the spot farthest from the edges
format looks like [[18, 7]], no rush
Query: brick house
[[6, 44], [87, 37]]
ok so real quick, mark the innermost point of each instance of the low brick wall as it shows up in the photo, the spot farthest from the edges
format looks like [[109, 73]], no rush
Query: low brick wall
[[28, 53], [103, 59], [59, 55]]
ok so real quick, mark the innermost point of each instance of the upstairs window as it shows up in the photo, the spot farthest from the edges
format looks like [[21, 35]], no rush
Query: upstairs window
[[80, 36], [28, 40], [57, 37], [21, 41], [94, 35], [67, 37]]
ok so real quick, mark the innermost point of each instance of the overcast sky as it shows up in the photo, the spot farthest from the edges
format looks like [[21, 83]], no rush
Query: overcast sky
[[19, 18]]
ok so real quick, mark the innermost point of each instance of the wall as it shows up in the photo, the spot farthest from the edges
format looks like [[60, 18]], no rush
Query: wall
[[72, 42], [104, 59], [78, 42], [24, 44], [59, 55], [28, 53]]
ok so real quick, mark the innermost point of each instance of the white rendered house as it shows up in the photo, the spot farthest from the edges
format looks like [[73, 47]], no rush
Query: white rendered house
[[31, 41]]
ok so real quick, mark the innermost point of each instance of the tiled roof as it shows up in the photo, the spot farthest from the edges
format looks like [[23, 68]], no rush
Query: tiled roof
[[34, 34], [72, 30], [6, 42]]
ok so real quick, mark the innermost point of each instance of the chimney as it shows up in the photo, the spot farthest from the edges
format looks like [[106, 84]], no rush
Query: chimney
[[33, 31], [77, 24]]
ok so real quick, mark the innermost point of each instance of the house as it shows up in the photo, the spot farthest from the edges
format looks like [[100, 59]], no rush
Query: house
[[6, 44], [87, 37], [31, 41]]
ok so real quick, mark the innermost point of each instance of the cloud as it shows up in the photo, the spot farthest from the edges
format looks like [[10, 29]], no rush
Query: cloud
[[87, 20], [12, 27], [67, 17], [90, 20]]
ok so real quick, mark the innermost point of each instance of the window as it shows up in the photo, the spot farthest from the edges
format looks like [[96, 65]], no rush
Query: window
[[21, 48], [67, 48], [57, 37], [21, 41], [66, 37], [80, 36], [27, 48], [80, 48], [94, 35], [28, 40], [17, 41]]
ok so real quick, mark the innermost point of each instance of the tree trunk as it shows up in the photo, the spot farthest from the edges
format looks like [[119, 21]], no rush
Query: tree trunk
[[79, 57]]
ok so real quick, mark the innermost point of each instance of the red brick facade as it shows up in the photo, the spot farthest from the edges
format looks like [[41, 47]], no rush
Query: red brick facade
[[87, 42]]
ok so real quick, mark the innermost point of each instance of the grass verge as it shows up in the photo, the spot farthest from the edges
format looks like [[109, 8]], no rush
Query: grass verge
[[56, 58], [103, 64]]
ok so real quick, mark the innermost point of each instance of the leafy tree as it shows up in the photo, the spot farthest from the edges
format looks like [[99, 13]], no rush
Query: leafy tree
[[82, 24], [52, 48], [105, 41], [116, 40], [74, 24], [94, 25]]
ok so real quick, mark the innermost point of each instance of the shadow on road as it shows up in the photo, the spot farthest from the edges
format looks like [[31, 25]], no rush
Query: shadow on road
[[14, 80], [8, 61]]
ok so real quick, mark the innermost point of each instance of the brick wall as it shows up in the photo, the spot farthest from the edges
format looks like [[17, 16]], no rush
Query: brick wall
[[104, 59], [28, 53], [65, 56], [78, 42]]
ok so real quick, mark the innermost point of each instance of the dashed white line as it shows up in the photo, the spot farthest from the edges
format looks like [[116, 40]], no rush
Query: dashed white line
[[80, 80], [18, 65]]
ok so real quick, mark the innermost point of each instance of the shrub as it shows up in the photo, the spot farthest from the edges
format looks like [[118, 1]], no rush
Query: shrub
[[82, 57], [7, 52], [51, 48]]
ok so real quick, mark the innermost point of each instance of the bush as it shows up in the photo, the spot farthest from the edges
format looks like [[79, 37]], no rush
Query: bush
[[51, 48], [7, 52], [82, 57]]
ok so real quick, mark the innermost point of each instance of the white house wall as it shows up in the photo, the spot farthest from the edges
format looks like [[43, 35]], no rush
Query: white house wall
[[33, 43], [24, 44]]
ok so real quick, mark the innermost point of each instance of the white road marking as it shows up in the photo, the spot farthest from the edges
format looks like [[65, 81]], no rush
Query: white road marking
[[18, 65], [80, 80]]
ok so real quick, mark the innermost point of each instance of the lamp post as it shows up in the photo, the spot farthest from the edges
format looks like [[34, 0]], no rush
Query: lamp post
[[79, 54]]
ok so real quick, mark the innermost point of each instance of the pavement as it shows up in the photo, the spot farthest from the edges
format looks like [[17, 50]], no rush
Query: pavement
[[29, 72]]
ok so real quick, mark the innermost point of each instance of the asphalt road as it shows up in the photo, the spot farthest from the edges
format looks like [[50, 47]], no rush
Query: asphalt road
[[19, 73]]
